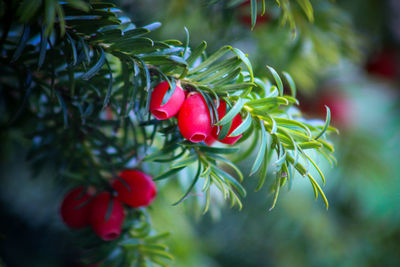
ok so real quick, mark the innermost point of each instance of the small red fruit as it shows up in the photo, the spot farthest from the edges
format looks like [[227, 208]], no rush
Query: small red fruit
[[136, 189], [169, 109], [194, 119], [106, 227], [210, 140], [237, 120], [384, 64], [75, 208], [339, 106]]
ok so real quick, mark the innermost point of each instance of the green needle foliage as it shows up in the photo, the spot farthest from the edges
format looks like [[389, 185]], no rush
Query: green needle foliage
[[288, 12], [77, 78]]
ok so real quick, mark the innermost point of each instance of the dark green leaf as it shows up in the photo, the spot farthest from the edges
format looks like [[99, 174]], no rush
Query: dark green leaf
[[232, 112], [78, 4], [307, 8], [261, 152], [243, 126], [43, 48], [227, 162], [277, 186], [185, 162], [135, 32], [63, 107], [231, 180], [153, 26], [315, 184], [146, 72], [217, 70], [219, 150], [253, 4], [224, 130], [187, 41], [73, 48], [92, 71], [263, 7], [282, 121], [327, 122], [27, 9], [211, 107], [110, 84], [291, 83], [134, 45], [316, 167], [267, 103], [227, 78], [245, 60], [263, 173], [168, 173], [21, 44], [211, 59], [196, 178], [49, 15], [234, 87], [196, 53], [277, 80], [165, 59], [61, 19]]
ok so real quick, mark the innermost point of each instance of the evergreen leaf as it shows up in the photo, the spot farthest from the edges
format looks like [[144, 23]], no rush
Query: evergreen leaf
[[232, 112], [277, 80], [261, 152]]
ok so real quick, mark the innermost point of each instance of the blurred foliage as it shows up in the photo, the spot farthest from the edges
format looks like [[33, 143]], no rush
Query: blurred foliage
[[305, 48]]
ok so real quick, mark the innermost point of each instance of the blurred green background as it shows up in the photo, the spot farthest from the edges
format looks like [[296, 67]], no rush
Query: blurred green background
[[349, 60]]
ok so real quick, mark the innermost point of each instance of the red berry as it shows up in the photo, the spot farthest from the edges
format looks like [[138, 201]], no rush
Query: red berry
[[194, 119], [261, 20], [210, 140], [237, 120], [384, 64], [172, 106], [106, 228], [136, 189], [339, 106], [75, 208]]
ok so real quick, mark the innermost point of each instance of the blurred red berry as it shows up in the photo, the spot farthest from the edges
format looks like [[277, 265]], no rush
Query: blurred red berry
[[338, 105], [260, 20], [75, 208], [210, 140], [169, 109], [194, 119], [335, 99], [237, 120], [135, 188], [106, 223], [384, 64]]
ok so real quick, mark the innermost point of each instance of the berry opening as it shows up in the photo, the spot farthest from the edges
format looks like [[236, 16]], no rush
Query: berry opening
[[197, 137], [111, 236], [160, 114]]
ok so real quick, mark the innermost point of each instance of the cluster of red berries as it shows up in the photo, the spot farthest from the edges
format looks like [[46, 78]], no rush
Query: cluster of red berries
[[103, 211], [193, 115]]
